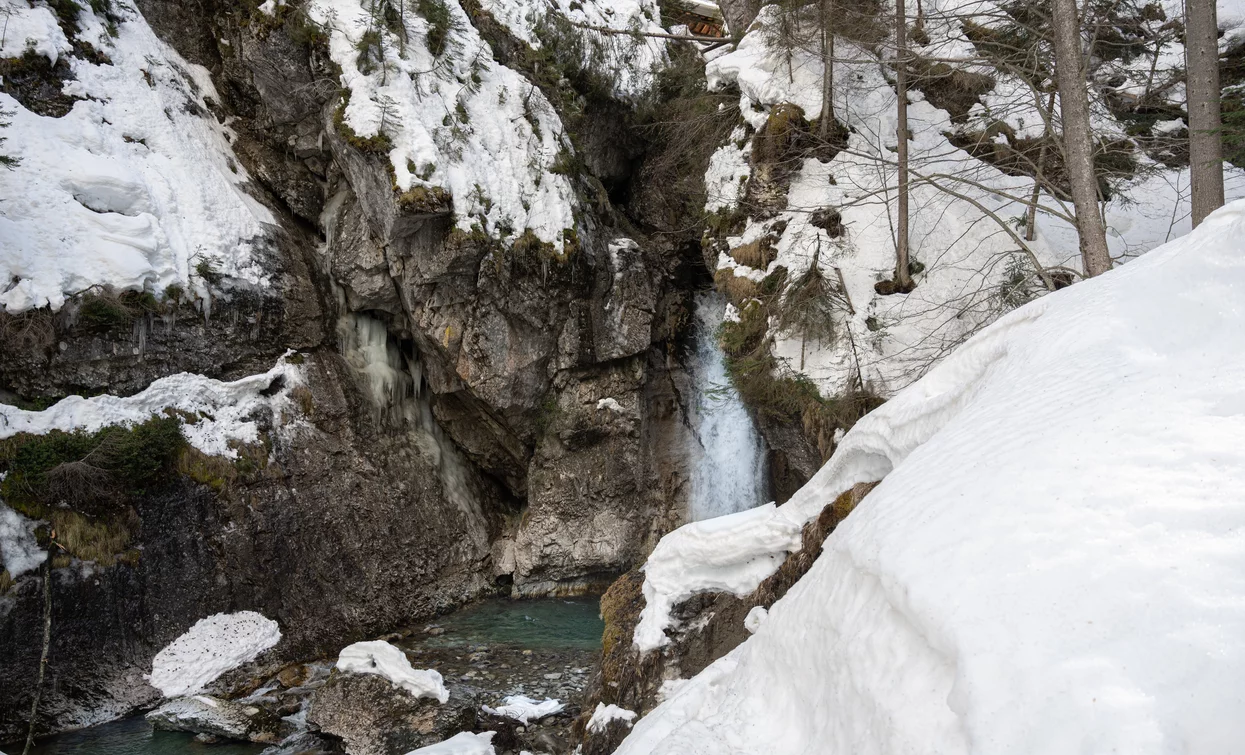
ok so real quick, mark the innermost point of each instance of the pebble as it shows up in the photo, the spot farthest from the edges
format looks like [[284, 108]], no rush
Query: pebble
[[553, 676]]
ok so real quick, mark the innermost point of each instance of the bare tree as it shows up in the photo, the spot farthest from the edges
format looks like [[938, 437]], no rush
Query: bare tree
[[1071, 74], [903, 278], [827, 66], [1205, 143]]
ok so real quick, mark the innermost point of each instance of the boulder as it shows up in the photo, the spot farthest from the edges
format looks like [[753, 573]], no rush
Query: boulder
[[372, 716], [204, 714]]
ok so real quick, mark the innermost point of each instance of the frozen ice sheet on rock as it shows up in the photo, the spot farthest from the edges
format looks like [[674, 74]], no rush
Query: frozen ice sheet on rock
[[19, 551], [214, 645], [380, 658]]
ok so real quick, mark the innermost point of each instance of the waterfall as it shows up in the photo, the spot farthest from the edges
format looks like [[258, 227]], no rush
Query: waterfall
[[728, 465]]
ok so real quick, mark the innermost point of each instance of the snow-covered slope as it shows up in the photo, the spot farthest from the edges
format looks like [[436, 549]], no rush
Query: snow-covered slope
[[959, 205], [629, 61], [1055, 559], [455, 119], [134, 187]]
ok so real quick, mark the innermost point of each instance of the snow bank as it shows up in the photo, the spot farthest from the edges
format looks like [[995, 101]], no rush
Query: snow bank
[[134, 187], [19, 551], [525, 709], [462, 743], [604, 714], [216, 413], [457, 120], [1056, 559], [381, 658], [219, 643]]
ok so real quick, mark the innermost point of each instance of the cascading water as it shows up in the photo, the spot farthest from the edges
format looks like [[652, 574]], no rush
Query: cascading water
[[728, 467]]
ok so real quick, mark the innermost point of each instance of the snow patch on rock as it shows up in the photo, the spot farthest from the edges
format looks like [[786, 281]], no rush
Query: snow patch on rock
[[525, 709], [214, 645], [19, 551], [604, 714], [214, 414], [462, 743], [457, 120], [380, 658]]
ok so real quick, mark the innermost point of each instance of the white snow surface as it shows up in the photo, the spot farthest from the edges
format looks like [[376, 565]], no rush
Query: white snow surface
[[19, 551], [1054, 561], [214, 645], [215, 415], [134, 187], [967, 255], [462, 743], [381, 658], [628, 61], [604, 714], [458, 120], [525, 709]]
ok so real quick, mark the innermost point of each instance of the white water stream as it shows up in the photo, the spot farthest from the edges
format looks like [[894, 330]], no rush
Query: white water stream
[[728, 468]]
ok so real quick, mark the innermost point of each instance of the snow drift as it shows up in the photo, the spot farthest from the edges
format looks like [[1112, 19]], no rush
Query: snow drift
[[134, 187], [1055, 560]]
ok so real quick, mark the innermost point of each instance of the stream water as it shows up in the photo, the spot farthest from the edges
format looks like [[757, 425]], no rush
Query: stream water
[[134, 736], [528, 639]]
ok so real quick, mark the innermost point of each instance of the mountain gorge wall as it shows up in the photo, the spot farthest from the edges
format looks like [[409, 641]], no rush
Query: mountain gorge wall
[[475, 418]]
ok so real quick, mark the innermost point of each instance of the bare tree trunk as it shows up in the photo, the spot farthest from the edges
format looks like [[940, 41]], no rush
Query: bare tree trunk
[[827, 70], [1078, 144], [903, 278], [739, 14], [43, 659], [1039, 168], [1201, 54]]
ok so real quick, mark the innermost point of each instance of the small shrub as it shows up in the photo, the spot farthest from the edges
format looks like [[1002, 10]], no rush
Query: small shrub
[[426, 200], [208, 272], [756, 254], [104, 311], [90, 472], [440, 21]]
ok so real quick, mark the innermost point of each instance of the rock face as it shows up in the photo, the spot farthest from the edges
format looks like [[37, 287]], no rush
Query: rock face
[[535, 440]]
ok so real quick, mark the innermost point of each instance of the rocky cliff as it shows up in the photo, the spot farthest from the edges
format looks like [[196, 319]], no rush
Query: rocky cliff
[[480, 408]]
